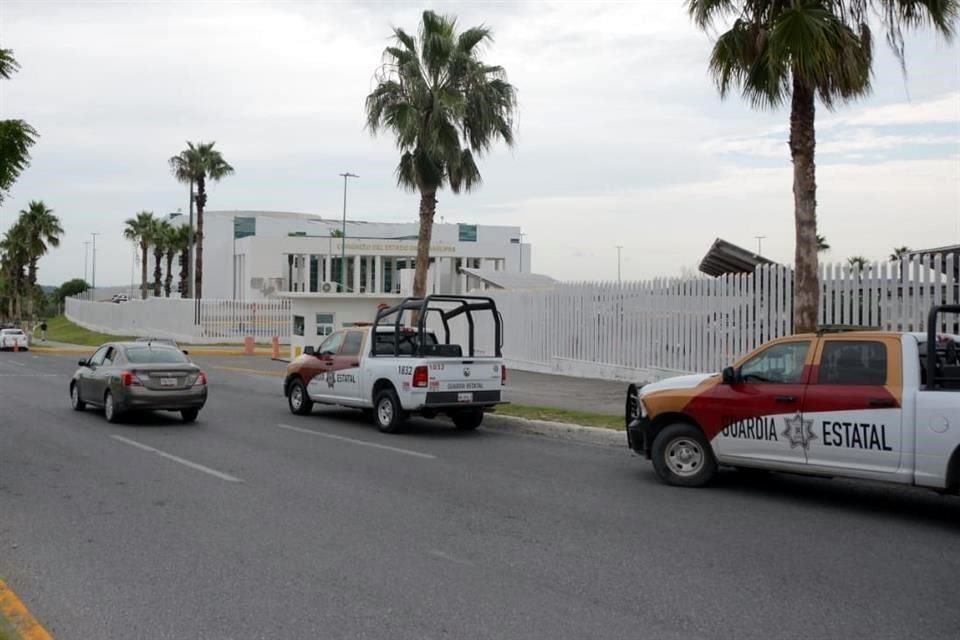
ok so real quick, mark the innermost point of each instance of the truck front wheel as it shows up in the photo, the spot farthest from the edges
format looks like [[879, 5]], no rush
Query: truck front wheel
[[682, 456], [387, 412], [298, 399], [468, 420]]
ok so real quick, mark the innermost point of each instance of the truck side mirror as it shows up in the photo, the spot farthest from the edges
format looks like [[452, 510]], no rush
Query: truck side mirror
[[309, 350], [730, 375]]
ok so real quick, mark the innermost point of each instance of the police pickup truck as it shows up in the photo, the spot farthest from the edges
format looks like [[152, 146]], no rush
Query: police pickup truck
[[860, 404], [391, 370]]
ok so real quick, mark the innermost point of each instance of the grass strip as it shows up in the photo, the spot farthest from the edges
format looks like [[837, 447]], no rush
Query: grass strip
[[60, 329], [551, 414]]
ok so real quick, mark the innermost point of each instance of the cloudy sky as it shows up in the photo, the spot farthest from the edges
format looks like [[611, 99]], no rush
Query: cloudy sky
[[622, 139]]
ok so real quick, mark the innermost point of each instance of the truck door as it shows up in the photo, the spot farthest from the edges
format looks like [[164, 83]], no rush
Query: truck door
[[759, 415], [854, 401], [319, 387], [346, 369]]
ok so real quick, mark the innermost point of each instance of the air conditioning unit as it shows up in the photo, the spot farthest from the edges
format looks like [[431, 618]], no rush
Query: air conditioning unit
[[328, 287]]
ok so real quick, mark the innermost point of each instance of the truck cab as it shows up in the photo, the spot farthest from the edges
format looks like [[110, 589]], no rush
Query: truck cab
[[861, 404], [395, 366]]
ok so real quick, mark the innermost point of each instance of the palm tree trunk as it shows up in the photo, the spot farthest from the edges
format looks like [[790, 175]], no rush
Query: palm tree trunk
[[157, 271], [185, 273], [31, 285], [168, 281], [198, 271], [428, 206], [802, 144], [144, 262]]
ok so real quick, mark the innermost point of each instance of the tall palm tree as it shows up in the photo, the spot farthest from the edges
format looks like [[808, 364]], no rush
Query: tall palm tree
[[171, 248], [801, 50], [445, 107], [16, 136], [14, 259], [822, 244], [195, 165], [41, 230], [159, 234], [899, 253], [182, 239], [858, 262], [140, 229]]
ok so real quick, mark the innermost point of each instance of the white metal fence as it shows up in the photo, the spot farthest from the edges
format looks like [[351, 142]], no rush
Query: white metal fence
[[188, 321], [647, 330]]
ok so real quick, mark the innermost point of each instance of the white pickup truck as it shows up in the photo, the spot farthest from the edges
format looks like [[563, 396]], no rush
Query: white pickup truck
[[860, 404], [392, 370]]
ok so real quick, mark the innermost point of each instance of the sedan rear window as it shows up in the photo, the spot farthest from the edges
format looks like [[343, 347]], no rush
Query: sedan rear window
[[12, 332], [147, 355]]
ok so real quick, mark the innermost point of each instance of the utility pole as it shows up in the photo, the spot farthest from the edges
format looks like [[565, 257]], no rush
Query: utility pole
[[619, 248], [93, 269], [343, 233], [760, 244], [86, 258], [520, 270]]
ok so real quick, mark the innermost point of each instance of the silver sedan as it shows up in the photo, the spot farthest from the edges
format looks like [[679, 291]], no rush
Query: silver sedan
[[124, 377]]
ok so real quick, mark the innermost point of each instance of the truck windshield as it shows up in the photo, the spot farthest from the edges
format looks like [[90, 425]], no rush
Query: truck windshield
[[383, 345]]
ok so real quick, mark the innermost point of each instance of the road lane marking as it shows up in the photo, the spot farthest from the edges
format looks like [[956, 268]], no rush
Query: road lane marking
[[261, 372], [14, 362], [443, 555], [183, 461], [363, 443], [18, 616]]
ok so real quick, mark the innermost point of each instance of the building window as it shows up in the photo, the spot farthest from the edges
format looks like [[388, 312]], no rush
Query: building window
[[467, 232], [298, 325], [314, 272], [325, 323]]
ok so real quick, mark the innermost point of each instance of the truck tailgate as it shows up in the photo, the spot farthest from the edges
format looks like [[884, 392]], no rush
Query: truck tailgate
[[465, 380]]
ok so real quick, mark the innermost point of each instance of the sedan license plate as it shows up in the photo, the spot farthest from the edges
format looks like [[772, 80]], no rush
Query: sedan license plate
[[465, 397], [168, 382]]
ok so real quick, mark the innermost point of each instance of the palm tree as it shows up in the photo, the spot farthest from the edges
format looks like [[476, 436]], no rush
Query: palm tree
[[159, 235], [171, 247], [41, 230], [139, 229], [14, 259], [801, 50], [182, 239], [822, 244], [445, 107], [899, 253], [858, 262], [195, 165], [16, 136]]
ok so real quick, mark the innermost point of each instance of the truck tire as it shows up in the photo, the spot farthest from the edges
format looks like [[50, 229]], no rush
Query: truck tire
[[300, 403], [388, 415], [468, 420], [682, 456]]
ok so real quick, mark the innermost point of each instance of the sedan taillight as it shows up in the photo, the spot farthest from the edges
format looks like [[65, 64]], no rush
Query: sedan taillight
[[201, 380], [130, 379]]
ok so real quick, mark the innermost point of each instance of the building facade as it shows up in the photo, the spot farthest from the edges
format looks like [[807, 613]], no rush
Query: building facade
[[251, 255]]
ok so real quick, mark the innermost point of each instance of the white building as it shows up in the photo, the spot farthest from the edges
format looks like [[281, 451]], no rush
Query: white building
[[251, 255]]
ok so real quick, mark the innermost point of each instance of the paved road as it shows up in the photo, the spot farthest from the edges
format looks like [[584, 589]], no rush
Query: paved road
[[255, 523]]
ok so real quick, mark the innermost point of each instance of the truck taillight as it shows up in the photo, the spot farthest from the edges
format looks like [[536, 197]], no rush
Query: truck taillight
[[201, 380], [503, 376], [420, 375], [129, 379]]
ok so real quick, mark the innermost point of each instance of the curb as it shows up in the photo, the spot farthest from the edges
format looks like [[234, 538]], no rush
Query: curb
[[16, 616], [559, 430]]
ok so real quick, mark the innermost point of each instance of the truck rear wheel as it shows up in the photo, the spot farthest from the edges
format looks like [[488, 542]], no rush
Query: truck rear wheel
[[682, 456], [388, 415], [468, 420]]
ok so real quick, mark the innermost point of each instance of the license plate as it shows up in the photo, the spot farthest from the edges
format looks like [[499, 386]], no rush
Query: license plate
[[465, 397], [168, 382]]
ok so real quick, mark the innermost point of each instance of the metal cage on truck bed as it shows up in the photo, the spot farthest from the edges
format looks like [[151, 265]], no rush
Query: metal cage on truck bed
[[456, 306]]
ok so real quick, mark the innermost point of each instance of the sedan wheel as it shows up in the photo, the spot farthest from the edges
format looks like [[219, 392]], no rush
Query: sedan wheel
[[110, 409], [75, 401]]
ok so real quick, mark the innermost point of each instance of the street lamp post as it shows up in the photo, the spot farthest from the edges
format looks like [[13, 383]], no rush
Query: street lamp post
[[343, 233], [86, 258], [93, 267], [619, 248], [760, 240]]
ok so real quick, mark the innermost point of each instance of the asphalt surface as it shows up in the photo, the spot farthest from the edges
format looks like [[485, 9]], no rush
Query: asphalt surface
[[255, 523]]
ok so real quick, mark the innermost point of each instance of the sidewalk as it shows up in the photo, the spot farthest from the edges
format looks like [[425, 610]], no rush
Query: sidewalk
[[51, 346], [565, 392]]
